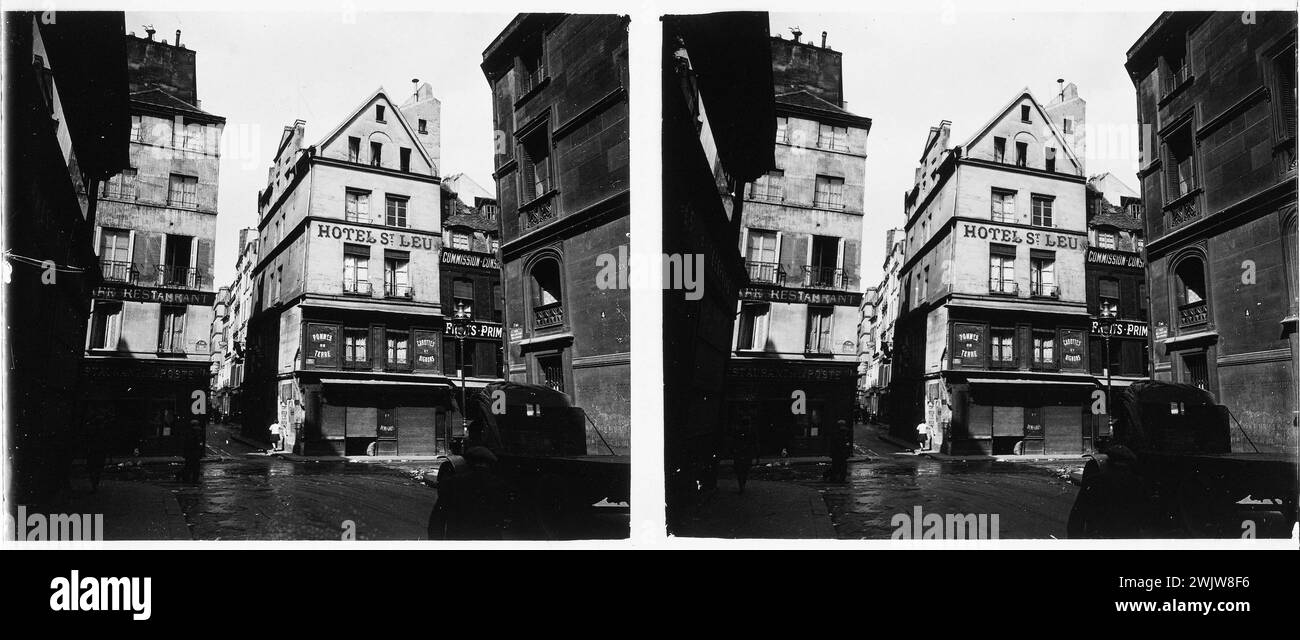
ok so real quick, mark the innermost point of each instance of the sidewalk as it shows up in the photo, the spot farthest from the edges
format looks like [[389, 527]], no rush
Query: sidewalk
[[293, 457], [766, 510], [131, 510]]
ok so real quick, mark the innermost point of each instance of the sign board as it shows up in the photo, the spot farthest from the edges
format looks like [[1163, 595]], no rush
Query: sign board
[[968, 348], [474, 329], [1162, 331], [362, 235], [470, 259], [1115, 258], [132, 293], [1120, 328], [1072, 346], [428, 347], [516, 334], [322, 345], [801, 296], [1022, 236]]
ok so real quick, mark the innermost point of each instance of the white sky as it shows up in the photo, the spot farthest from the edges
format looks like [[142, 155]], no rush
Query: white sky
[[264, 70], [909, 71]]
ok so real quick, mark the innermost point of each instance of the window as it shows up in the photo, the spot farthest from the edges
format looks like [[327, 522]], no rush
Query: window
[[1108, 297], [760, 256], [1041, 211], [171, 330], [1044, 350], [752, 335], [176, 271], [1042, 274], [829, 193], [819, 330], [1004, 206], [121, 185], [114, 245], [469, 353], [999, 149], [925, 285], [395, 211], [379, 113], [1284, 73], [1180, 171], [460, 240], [462, 294], [106, 325], [1024, 113], [1142, 297], [782, 129], [1140, 244], [46, 78], [1050, 159], [1002, 268], [356, 206], [823, 270], [1022, 154], [1002, 352], [769, 187], [1106, 239], [356, 269], [832, 137], [182, 191], [551, 369], [137, 129], [497, 302], [398, 352], [1196, 370], [396, 275], [376, 154], [1067, 125], [354, 149], [1174, 67], [1189, 292], [405, 158], [355, 353], [423, 126], [533, 69], [536, 165]]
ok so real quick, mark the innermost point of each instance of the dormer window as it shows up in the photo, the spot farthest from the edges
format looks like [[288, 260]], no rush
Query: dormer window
[[379, 113], [424, 126], [1024, 113]]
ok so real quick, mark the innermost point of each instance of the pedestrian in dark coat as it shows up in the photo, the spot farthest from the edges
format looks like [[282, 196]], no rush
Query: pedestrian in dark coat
[[96, 439], [194, 446], [840, 450], [742, 452]]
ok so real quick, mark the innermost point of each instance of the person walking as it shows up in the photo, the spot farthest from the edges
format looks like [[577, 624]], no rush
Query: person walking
[[193, 452], [276, 436], [922, 437], [97, 427], [742, 452], [840, 450]]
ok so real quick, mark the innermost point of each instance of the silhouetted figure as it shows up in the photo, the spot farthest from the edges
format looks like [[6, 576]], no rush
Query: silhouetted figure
[[474, 503], [742, 452], [841, 447], [194, 446], [98, 424]]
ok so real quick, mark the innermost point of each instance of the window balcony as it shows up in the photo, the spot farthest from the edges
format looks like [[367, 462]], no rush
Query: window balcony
[[828, 200], [548, 315], [1173, 80], [357, 288], [539, 211], [1193, 315], [1182, 213], [353, 363], [179, 276], [765, 272], [818, 351], [1008, 362], [1040, 290], [823, 277], [1004, 287], [530, 80], [114, 271], [398, 291]]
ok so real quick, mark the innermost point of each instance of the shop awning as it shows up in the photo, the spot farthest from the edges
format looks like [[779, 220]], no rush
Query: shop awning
[[386, 383], [1032, 381]]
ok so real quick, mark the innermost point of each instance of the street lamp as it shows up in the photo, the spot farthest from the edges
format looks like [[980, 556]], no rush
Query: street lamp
[[460, 323], [1108, 312]]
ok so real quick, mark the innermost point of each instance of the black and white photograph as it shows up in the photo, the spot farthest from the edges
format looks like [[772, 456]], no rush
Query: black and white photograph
[[981, 275], [326, 275]]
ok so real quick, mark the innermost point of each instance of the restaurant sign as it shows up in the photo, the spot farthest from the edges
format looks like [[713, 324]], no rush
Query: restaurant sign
[[133, 293], [801, 296]]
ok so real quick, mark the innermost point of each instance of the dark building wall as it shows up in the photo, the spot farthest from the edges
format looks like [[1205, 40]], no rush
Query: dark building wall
[[1239, 219], [153, 64], [805, 66]]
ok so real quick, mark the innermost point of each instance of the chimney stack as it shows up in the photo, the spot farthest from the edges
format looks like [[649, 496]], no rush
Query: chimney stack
[[149, 31], [178, 37], [796, 32], [1060, 89], [823, 39]]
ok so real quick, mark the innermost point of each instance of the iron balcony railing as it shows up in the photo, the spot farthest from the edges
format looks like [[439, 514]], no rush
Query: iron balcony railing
[[392, 290], [1004, 287], [548, 315], [765, 272], [1175, 79], [353, 363], [540, 211], [1194, 314], [357, 287], [1184, 213], [114, 271], [529, 80], [823, 277], [1040, 290], [828, 200], [179, 276]]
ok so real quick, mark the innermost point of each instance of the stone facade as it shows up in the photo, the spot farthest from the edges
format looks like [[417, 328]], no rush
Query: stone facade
[[1216, 99]]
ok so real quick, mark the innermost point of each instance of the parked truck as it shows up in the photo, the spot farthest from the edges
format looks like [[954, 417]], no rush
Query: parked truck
[[1168, 470]]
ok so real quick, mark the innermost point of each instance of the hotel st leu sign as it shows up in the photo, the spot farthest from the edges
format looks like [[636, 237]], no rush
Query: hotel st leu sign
[[1021, 236], [363, 235]]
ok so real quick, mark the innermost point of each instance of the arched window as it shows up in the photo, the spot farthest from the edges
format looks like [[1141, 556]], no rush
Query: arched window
[[1189, 292], [547, 301]]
